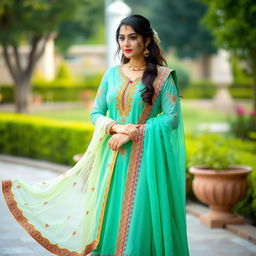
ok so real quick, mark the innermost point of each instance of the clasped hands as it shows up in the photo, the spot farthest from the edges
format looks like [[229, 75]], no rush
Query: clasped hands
[[124, 133]]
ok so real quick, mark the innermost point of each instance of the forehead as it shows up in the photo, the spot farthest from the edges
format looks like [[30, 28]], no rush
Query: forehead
[[126, 30]]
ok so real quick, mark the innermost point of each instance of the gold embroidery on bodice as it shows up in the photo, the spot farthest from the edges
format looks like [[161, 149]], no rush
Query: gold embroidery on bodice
[[124, 95]]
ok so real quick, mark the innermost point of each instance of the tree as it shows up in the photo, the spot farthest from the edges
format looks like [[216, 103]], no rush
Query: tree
[[178, 25], [233, 23], [33, 22]]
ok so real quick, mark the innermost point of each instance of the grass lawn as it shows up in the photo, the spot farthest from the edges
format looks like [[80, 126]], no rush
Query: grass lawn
[[192, 116]]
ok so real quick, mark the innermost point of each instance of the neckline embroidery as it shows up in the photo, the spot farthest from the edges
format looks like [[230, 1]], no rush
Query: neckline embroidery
[[125, 94], [121, 72]]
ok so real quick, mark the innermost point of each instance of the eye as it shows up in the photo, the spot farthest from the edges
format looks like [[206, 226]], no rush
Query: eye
[[133, 37], [120, 38]]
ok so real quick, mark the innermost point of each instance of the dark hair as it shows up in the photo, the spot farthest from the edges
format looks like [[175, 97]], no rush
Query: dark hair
[[141, 26]]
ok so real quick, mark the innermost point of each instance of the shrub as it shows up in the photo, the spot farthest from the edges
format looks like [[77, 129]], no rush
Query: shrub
[[43, 138], [243, 125], [202, 89]]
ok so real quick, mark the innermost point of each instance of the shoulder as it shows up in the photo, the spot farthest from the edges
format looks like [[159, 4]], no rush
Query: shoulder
[[112, 68], [109, 71], [165, 69], [166, 74]]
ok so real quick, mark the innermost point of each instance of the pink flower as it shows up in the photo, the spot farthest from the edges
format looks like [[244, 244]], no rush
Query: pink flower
[[253, 113], [240, 111]]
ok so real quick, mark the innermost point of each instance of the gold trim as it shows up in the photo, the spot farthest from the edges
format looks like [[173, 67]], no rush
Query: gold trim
[[124, 94], [112, 165], [23, 221]]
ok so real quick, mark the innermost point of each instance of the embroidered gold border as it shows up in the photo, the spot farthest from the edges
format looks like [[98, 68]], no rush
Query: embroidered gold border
[[133, 168], [23, 221], [125, 90]]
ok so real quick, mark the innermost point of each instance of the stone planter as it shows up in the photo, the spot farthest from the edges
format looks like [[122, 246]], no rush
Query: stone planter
[[220, 190]]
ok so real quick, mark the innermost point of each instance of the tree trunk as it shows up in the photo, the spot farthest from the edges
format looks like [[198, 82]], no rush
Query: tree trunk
[[205, 66], [22, 95], [22, 74]]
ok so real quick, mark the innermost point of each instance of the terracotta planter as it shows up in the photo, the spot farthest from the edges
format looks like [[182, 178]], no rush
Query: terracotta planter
[[220, 190]]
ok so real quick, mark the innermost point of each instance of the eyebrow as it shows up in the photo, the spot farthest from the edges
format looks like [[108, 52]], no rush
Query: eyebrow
[[128, 34]]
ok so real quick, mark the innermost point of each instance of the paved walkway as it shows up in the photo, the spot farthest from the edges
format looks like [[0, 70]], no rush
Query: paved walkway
[[14, 241]]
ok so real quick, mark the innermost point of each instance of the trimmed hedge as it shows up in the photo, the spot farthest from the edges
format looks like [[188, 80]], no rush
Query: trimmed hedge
[[58, 90], [43, 138]]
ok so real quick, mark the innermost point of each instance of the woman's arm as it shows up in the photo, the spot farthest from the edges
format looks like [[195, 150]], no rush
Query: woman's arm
[[100, 105], [169, 118]]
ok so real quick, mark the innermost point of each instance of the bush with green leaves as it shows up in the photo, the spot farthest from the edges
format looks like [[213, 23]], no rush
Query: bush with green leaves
[[201, 89], [58, 90], [43, 138]]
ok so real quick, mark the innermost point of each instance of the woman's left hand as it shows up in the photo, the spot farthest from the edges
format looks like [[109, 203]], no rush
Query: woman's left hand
[[117, 140]]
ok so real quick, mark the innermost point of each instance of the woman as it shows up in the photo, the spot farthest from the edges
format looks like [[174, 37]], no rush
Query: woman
[[126, 195]]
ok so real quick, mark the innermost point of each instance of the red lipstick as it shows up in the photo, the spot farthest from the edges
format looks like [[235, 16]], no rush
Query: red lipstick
[[127, 50]]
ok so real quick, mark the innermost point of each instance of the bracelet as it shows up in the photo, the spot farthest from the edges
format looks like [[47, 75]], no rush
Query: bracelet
[[109, 126]]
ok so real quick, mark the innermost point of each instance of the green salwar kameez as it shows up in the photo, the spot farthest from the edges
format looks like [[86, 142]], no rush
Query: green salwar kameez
[[129, 202]]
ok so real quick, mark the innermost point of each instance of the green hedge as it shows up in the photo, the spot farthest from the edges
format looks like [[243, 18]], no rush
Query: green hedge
[[204, 89], [43, 138], [64, 90], [58, 90], [246, 151]]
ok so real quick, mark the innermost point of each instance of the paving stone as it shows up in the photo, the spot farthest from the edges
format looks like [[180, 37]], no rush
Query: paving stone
[[15, 241]]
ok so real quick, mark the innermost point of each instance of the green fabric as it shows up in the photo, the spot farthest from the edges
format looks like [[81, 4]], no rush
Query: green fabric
[[81, 220]]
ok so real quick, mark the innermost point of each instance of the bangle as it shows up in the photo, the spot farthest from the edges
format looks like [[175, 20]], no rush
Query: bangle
[[109, 126]]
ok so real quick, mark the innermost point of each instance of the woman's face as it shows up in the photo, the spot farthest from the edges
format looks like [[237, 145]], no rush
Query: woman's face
[[130, 42]]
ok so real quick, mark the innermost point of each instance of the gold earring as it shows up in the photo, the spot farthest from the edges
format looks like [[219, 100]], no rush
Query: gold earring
[[146, 52]]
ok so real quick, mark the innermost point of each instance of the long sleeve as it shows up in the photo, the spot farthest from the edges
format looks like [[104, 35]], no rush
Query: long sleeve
[[100, 105]]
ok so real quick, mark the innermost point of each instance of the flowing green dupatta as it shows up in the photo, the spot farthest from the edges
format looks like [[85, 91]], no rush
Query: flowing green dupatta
[[65, 214], [164, 160]]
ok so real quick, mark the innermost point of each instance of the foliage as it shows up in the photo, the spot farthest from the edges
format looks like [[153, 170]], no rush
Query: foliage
[[35, 23], [240, 74], [43, 138], [83, 25], [201, 89], [63, 72], [57, 90], [213, 154], [243, 124], [177, 23], [183, 76], [233, 24]]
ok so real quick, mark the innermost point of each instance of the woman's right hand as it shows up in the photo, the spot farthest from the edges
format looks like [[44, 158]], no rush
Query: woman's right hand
[[130, 129]]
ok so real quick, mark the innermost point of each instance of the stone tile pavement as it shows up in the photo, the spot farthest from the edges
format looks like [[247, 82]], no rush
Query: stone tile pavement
[[14, 241]]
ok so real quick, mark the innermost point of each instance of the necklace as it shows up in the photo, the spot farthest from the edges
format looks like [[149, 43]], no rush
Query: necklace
[[137, 68]]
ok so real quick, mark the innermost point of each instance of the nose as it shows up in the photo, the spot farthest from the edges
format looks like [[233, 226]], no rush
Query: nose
[[126, 42]]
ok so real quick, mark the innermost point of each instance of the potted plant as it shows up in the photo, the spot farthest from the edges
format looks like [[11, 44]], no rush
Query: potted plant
[[219, 181]]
